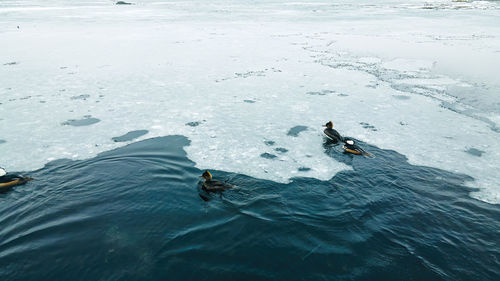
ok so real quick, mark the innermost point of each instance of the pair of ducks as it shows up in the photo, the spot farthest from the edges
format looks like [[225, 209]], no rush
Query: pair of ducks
[[211, 185], [349, 145]]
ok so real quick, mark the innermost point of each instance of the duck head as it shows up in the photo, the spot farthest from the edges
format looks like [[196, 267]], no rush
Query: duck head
[[329, 125], [206, 175]]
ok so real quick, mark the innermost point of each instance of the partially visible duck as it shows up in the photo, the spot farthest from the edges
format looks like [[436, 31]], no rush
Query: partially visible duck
[[10, 180]]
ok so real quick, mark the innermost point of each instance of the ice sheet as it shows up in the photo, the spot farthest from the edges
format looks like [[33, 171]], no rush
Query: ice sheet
[[234, 76]]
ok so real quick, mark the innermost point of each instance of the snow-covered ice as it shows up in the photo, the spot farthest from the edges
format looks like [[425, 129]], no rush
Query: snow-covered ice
[[236, 76]]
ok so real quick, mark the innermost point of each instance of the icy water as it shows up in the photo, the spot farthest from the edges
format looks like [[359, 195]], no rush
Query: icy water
[[135, 213], [116, 110]]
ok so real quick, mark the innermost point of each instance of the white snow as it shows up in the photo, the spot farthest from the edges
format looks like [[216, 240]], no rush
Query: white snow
[[243, 70]]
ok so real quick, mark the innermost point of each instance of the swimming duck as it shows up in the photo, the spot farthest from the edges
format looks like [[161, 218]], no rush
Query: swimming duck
[[213, 185], [7, 181], [331, 133], [351, 147]]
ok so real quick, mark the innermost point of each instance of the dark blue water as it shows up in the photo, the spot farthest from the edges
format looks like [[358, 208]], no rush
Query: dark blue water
[[135, 213]]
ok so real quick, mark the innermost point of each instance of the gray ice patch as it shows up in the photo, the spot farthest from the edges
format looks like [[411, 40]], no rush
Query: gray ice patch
[[281, 149], [250, 74], [80, 97], [295, 131], [315, 93], [368, 126], [475, 152], [193, 124], [268, 155], [130, 136], [86, 121], [269, 143], [321, 93], [401, 97]]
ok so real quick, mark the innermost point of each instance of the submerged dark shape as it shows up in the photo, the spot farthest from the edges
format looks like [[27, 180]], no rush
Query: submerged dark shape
[[123, 3], [211, 185], [331, 133]]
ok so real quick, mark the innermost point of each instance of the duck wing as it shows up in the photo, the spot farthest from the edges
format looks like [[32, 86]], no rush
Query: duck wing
[[214, 185], [333, 135]]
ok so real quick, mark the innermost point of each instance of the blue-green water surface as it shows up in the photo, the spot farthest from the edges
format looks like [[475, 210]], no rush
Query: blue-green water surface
[[135, 213]]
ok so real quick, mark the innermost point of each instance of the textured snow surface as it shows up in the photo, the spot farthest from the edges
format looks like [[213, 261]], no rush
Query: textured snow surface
[[419, 77]]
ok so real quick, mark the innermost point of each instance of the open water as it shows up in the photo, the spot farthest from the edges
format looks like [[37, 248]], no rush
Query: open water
[[135, 213], [116, 110]]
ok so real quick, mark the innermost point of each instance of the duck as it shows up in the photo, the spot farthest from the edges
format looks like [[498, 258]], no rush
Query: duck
[[351, 147], [331, 133], [211, 185], [7, 181]]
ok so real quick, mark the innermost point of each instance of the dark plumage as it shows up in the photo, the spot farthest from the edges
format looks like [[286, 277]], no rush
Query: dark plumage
[[331, 133], [351, 147], [8, 181], [213, 185]]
